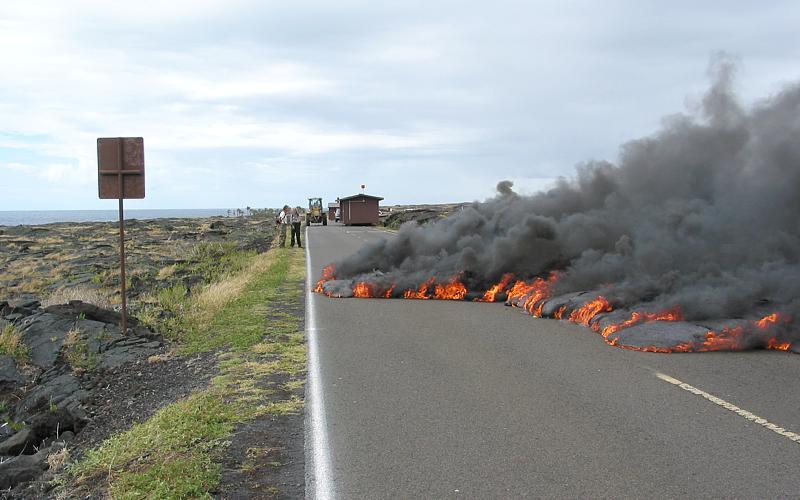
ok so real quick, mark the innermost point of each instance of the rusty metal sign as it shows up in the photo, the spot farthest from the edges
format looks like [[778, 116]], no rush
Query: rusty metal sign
[[120, 163], [120, 176]]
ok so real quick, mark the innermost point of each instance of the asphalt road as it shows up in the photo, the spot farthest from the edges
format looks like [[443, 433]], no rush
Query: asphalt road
[[431, 399]]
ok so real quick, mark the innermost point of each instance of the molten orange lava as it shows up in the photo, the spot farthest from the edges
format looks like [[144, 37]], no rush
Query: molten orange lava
[[452, 290], [734, 339], [491, 293], [363, 290], [421, 292], [328, 273], [768, 321], [520, 289], [589, 310], [729, 339], [532, 297], [778, 345], [637, 317], [534, 293]]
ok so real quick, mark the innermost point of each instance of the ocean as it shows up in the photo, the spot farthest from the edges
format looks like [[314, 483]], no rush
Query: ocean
[[34, 217]]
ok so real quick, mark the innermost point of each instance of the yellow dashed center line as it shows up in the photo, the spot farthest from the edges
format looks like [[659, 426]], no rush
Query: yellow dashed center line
[[732, 407]]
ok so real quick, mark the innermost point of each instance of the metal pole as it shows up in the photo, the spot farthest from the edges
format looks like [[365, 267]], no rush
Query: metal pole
[[122, 245], [122, 266]]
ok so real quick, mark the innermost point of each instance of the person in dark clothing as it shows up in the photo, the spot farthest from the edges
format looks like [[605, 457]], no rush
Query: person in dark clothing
[[295, 218]]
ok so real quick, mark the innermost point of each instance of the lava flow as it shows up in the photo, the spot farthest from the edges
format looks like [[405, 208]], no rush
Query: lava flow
[[420, 293], [491, 293], [533, 295], [452, 290], [363, 290], [736, 338], [328, 273], [584, 314], [637, 317]]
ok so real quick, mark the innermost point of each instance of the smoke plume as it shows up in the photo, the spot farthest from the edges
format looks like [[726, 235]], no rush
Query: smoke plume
[[703, 216]]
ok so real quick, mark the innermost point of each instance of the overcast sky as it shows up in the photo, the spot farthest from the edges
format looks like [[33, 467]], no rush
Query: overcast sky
[[262, 103]]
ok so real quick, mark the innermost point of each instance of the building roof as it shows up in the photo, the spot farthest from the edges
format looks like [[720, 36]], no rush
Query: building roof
[[361, 195], [333, 205]]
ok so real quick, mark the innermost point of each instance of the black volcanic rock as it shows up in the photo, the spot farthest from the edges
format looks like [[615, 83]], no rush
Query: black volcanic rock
[[663, 334]]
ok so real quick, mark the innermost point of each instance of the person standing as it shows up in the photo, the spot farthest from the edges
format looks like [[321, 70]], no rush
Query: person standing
[[295, 217], [283, 224]]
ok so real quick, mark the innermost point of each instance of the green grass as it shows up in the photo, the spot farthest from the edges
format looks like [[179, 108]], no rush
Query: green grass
[[214, 261], [77, 353], [246, 312], [173, 310], [11, 344], [173, 297], [244, 318], [144, 462], [188, 476]]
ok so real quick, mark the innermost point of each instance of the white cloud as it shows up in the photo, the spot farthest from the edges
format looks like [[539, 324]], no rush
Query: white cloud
[[341, 90], [20, 167]]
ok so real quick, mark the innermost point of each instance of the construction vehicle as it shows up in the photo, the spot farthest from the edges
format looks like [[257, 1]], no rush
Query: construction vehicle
[[315, 213]]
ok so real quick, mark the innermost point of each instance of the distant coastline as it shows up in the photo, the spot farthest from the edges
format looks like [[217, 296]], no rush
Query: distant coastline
[[35, 217]]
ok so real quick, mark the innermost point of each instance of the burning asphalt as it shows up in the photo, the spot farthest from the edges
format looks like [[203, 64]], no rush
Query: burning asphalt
[[689, 243]]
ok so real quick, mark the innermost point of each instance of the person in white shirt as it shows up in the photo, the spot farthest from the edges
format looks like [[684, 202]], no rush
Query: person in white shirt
[[282, 223]]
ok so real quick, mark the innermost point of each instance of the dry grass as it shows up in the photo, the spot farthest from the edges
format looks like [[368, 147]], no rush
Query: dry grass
[[72, 338], [25, 268], [82, 293], [48, 241], [160, 358], [215, 296], [166, 272], [58, 460]]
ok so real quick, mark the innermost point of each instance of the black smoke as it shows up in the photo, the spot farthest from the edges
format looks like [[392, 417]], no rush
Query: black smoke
[[704, 214]]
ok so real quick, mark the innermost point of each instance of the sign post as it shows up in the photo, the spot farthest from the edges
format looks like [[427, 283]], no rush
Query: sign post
[[120, 169]]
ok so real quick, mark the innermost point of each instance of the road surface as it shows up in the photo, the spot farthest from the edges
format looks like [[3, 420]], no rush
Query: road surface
[[433, 399]]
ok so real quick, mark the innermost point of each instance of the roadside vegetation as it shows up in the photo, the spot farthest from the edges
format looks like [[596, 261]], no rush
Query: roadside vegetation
[[242, 306], [11, 344]]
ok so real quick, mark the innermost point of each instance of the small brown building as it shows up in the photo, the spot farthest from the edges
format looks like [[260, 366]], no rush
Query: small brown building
[[332, 211], [360, 209]]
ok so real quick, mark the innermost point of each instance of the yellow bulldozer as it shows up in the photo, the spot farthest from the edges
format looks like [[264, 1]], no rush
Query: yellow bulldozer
[[315, 212]]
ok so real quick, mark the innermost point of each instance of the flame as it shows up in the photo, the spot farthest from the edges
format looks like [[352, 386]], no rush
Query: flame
[[637, 317], [534, 294], [363, 290], [768, 321], [520, 289], [734, 338], [420, 293], [328, 273], [728, 339], [452, 290], [532, 297], [492, 292], [777, 345], [589, 310]]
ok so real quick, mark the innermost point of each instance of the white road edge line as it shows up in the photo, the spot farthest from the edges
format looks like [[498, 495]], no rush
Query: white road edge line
[[318, 474], [729, 406]]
